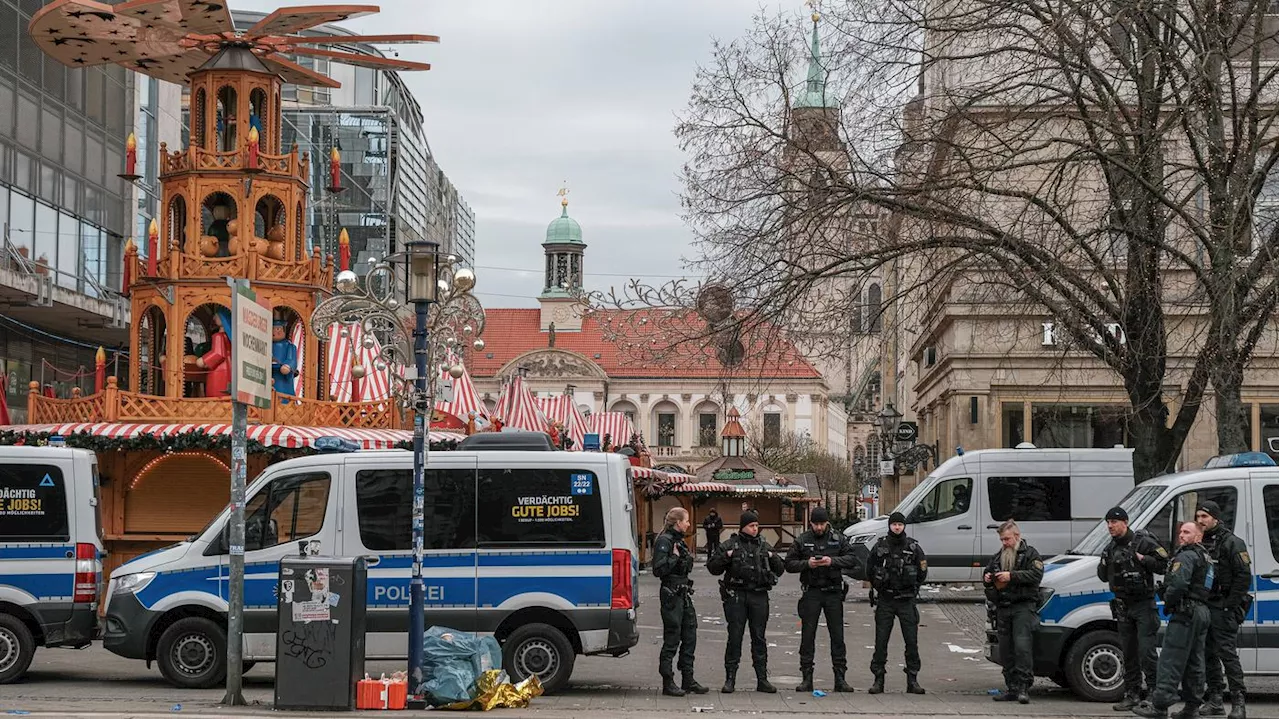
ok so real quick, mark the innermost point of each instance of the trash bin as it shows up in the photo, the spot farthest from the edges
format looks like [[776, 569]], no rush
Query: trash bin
[[320, 632]]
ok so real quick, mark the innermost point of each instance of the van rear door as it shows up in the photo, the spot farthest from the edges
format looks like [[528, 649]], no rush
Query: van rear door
[[1258, 636], [36, 543]]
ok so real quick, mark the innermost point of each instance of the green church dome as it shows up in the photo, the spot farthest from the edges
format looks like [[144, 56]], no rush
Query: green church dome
[[564, 229]]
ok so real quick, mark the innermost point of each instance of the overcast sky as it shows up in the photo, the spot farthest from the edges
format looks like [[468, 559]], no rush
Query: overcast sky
[[525, 95]]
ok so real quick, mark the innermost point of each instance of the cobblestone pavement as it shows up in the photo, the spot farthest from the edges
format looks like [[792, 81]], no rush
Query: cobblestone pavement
[[93, 682]]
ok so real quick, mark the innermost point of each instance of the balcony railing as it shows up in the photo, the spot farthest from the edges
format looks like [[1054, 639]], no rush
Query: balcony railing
[[289, 165], [116, 405], [251, 265]]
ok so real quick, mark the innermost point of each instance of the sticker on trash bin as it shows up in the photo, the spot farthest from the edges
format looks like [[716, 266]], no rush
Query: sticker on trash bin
[[333, 600], [310, 612]]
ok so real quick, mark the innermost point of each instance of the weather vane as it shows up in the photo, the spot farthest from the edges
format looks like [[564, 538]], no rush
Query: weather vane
[[814, 8], [563, 194]]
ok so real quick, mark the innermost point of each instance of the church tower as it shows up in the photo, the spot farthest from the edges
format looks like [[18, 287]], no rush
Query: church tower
[[815, 115], [562, 281]]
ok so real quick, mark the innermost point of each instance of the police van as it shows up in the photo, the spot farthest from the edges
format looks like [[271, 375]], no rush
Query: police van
[[1057, 496], [536, 548], [50, 553], [1076, 643]]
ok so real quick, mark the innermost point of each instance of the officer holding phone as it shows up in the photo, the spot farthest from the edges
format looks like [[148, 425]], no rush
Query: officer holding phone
[[820, 556]]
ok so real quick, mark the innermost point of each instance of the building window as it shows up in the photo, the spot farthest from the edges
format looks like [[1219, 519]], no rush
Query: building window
[[772, 429], [1269, 420], [708, 434], [1068, 425], [1011, 417], [666, 430], [875, 315]]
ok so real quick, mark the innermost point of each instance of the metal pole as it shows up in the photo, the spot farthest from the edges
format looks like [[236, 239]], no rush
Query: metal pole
[[235, 610], [422, 410]]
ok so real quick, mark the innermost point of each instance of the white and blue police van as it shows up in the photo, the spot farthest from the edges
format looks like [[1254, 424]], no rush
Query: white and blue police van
[[536, 548], [50, 553], [1077, 644]]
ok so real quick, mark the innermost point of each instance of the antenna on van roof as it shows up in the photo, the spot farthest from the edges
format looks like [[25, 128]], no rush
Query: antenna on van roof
[[1025, 445]]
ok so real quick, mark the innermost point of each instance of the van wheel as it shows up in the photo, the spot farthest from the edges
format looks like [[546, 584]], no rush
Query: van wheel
[[539, 649], [1095, 666], [192, 653], [17, 648]]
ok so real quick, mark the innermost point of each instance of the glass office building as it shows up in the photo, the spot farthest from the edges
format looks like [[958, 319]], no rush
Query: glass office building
[[64, 214]]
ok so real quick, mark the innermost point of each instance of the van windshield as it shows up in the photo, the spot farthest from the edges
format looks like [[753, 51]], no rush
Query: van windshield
[[1138, 500], [915, 494]]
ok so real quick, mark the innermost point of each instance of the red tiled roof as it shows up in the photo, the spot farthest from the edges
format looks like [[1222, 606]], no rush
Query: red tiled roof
[[509, 333]]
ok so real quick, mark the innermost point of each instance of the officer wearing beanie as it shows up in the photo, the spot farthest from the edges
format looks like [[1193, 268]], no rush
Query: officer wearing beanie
[[750, 568], [1229, 602], [1128, 566], [897, 567], [820, 556]]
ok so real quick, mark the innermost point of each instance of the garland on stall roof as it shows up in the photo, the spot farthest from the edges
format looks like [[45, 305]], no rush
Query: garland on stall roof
[[185, 441]]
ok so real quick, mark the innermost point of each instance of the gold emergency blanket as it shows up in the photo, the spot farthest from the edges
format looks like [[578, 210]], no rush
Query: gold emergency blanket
[[494, 693]]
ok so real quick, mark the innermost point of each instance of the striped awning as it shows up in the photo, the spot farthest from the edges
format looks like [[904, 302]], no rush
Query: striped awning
[[518, 409], [691, 487], [615, 424], [737, 489], [563, 409], [272, 435]]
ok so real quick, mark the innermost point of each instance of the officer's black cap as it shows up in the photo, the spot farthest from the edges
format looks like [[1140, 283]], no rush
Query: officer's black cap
[[748, 517], [1210, 508], [1118, 513], [819, 515], [897, 518]]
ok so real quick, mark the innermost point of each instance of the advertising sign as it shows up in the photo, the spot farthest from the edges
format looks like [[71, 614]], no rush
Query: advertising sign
[[250, 347], [907, 432], [726, 475]]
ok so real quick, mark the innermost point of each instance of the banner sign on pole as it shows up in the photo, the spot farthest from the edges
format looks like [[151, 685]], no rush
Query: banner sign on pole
[[251, 348]]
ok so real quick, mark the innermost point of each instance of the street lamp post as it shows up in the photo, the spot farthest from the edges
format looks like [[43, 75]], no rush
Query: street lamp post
[[446, 314]]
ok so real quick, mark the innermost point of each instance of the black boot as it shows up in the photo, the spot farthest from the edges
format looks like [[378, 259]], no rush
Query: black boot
[[1147, 709], [730, 679], [1128, 702], [1237, 706], [669, 686], [806, 681], [762, 682], [1023, 697], [691, 685], [1008, 695], [913, 686], [1212, 706], [841, 684], [877, 687], [1188, 711]]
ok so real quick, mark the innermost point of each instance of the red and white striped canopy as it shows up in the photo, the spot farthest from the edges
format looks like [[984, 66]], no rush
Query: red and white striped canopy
[[272, 435], [666, 477], [517, 408], [465, 398], [615, 424], [342, 355], [563, 409]]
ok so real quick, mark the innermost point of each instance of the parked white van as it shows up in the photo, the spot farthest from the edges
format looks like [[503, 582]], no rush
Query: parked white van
[[50, 553], [1057, 496], [1077, 644], [535, 548]]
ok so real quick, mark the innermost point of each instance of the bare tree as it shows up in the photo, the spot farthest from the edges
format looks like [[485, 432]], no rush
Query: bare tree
[[792, 453], [1101, 163]]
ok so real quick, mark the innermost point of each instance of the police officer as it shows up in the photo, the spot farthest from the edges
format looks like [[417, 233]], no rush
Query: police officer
[[672, 562], [820, 556], [1012, 581], [1228, 604], [713, 525], [1128, 566], [897, 567], [1185, 589], [750, 568]]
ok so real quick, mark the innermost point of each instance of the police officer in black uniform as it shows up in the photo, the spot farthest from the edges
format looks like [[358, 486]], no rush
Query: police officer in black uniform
[[1229, 602], [820, 556], [672, 562], [1012, 581], [750, 568], [897, 567], [1185, 589], [1128, 566], [713, 525]]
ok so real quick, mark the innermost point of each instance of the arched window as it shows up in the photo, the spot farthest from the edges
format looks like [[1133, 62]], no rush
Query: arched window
[[178, 221], [199, 340], [875, 313], [221, 232], [666, 419], [152, 342], [226, 118], [268, 213], [258, 116], [199, 111], [707, 429]]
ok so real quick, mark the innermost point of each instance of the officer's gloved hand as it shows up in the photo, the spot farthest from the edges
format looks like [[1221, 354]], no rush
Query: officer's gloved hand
[[1238, 615]]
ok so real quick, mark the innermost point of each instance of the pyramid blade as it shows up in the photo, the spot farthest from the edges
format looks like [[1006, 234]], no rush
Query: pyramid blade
[[284, 21], [369, 61], [83, 33], [203, 17], [362, 39], [297, 74]]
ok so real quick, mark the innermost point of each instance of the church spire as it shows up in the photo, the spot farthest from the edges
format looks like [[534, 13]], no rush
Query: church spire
[[815, 86]]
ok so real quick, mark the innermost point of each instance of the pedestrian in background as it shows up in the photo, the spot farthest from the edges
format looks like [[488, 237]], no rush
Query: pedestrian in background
[[820, 556], [1012, 581], [897, 567], [1229, 603], [750, 568], [713, 525], [1128, 566], [1185, 590], [672, 562]]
